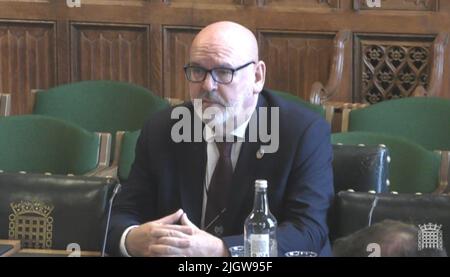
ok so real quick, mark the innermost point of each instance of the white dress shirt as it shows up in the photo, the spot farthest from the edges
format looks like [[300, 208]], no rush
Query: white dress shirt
[[212, 157], [212, 153]]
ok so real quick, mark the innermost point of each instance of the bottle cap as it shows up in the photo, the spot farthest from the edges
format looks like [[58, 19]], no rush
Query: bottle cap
[[261, 184]]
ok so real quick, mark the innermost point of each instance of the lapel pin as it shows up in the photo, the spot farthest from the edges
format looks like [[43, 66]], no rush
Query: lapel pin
[[218, 230], [260, 153]]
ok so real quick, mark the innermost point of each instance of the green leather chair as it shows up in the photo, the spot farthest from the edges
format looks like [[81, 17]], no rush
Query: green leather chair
[[53, 212], [424, 120], [356, 210], [41, 144], [412, 168], [360, 168], [100, 106]]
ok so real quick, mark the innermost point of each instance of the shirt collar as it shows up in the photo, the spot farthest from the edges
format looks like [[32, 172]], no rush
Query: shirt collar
[[238, 132]]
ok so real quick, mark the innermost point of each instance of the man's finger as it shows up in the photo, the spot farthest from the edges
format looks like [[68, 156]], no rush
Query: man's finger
[[185, 221], [169, 232], [165, 250], [188, 230], [171, 218], [175, 242]]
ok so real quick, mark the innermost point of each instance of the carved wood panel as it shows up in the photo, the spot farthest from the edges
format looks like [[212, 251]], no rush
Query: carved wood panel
[[295, 60], [137, 3], [131, 40], [28, 1], [278, 4], [206, 3], [27, 60], [402, 5], [110, 52], [295, 4], [391, 67], [177, 43]]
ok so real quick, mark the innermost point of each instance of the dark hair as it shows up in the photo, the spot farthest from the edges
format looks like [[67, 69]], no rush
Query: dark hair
[[395, 238]]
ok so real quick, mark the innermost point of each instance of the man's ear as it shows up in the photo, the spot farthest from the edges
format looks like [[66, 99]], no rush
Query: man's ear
[[260, 77]]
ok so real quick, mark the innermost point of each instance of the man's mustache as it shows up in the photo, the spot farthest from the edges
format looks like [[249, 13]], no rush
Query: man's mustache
[[212, 97]]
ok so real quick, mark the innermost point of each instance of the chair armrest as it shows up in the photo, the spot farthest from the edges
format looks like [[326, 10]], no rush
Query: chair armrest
[[104, 154], [321, 93], [106, 172], [105, 149], [5, 104], [444, 173]]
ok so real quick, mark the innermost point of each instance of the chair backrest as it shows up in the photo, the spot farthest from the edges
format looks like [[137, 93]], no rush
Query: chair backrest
[[424, 120], [100, 106], [412, 167], [5, 104], [288, 96], [127, 154], [51, 212], [42, 144], [360, 168], [352, 211]]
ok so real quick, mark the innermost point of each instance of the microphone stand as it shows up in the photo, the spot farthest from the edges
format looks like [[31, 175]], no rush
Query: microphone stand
[[115, 191]]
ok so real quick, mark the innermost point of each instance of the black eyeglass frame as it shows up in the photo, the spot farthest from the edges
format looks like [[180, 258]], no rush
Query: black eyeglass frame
[[210, 71]]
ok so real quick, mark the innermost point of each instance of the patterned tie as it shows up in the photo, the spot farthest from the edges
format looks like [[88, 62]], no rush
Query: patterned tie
[[218, 189]]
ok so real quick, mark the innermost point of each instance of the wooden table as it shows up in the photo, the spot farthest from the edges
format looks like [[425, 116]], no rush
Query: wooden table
[[16, 251], [14, 246], [54, 253]]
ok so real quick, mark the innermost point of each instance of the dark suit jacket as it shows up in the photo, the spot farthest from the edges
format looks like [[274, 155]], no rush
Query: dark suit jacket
[[167, 176]]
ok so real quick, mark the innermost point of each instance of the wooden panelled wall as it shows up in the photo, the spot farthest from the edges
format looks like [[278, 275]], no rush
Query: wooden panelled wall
[[44, 43]]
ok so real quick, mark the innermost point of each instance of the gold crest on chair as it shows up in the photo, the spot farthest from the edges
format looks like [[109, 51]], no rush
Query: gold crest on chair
[[32, 224]]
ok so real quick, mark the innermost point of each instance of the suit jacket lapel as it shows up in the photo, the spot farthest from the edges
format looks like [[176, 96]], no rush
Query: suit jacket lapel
[[243, 180], [192, 165], [244, 175]]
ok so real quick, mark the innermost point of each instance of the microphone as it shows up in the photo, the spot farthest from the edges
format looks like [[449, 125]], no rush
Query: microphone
[[111, 200], [214, 220]]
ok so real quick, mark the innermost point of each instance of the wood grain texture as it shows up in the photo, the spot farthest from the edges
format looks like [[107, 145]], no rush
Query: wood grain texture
[[296, 60], [177, 43], [44, 43], [27, 60], [110, 52]]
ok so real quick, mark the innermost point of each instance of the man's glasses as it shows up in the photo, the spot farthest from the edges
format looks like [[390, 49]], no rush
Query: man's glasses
[[221, 75]]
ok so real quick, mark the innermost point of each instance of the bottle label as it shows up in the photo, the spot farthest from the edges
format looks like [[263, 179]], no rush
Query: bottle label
[[259, 245]]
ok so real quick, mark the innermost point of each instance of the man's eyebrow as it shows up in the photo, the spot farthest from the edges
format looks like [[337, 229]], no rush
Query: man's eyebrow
[[194, 63], [222, 65]]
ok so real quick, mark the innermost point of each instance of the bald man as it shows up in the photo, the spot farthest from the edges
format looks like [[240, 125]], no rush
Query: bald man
[[190, 197]]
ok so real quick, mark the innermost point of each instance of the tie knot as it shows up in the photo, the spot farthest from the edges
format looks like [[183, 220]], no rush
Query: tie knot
[[224, 148]]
